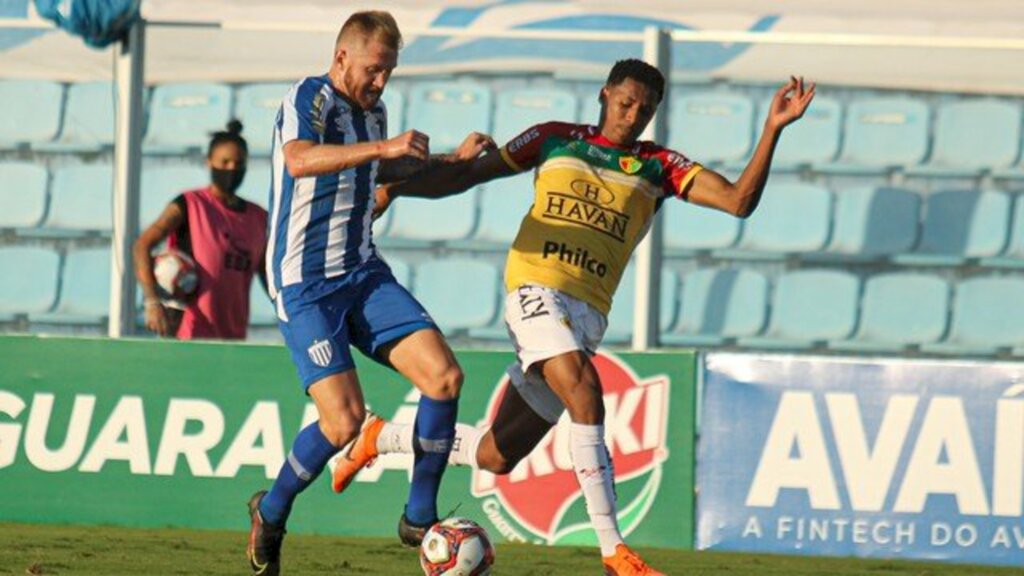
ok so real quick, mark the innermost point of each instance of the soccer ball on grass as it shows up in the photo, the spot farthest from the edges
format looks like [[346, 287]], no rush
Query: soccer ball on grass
[[456, 547]]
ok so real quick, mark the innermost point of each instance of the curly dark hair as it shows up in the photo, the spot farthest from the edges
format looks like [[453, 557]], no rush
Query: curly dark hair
[[232, 133], [640, 71]]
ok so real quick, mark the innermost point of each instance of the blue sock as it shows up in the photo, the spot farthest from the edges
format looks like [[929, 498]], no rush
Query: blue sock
[[309, 455], [433, 434]]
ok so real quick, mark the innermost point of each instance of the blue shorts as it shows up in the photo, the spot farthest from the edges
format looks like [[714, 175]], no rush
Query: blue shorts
[[367, 309]]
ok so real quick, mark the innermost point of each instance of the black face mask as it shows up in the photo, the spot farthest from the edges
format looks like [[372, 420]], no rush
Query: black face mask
[[227, 180]]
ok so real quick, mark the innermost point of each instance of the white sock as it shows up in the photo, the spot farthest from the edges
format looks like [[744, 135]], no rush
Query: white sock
[[594, 473], [397, 439]]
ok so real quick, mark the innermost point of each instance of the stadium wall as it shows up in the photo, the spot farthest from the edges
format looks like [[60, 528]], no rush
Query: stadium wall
[[158, 433]]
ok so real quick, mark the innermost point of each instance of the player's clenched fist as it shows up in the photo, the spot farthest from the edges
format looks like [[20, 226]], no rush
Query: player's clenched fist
[[409, 143]]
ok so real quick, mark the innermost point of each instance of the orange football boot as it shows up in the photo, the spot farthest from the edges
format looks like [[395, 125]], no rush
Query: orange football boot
[[625, 562], [359, 454]]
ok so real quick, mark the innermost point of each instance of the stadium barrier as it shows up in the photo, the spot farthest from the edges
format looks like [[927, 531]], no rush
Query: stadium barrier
[[160, 433], [862, 457]]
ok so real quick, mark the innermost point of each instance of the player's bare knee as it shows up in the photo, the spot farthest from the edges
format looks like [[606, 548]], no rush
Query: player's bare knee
[[494, 462], [446, 384], [586, 405], [340, 429]]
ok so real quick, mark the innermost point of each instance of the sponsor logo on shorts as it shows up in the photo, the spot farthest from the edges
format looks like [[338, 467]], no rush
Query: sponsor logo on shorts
[[587, 213], [579, 257], [321, 352], [531, 304]]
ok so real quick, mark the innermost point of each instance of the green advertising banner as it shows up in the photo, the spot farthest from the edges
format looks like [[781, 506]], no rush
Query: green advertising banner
[[161, 433]]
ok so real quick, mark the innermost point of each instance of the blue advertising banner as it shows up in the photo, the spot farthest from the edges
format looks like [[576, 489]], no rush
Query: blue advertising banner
[[863, 457]]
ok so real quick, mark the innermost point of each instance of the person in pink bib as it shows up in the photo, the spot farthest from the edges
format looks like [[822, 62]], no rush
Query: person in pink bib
[[224, 235]]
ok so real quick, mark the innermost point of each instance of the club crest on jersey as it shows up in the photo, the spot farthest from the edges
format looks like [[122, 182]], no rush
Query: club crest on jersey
[[316, 112], [630, 165], [321, 352]]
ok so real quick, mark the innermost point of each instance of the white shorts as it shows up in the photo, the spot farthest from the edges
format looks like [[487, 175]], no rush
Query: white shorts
[[545, 323]]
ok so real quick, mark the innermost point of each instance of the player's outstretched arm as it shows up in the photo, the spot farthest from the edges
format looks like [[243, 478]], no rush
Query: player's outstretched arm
[[741, 198], [307, 158]]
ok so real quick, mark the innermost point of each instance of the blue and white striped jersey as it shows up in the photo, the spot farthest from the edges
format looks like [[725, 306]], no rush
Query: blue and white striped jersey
[[320, 226]]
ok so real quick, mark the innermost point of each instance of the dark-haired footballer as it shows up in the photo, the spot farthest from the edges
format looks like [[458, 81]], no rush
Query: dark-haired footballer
[[596, 191]]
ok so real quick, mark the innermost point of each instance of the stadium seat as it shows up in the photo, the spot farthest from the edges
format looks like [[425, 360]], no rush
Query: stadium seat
[[503, 204], [261, 307], [88, 119], [882, 133], [32, 111], [620, 318], [719, 305], [961, 224], [34, 288], [517, 110], [810, 307], [986, 318], [183, 116], [459, 293], [23, 194], [418, 222], [812, 140], [161, 184], [256, 106], [394, 101], [899, 310], [690, 228], [256, 186], [712, 127], [791, 218], [447, 112], [973, 136], [81, 201], [1013, 255], [872, 221], [84, 289]]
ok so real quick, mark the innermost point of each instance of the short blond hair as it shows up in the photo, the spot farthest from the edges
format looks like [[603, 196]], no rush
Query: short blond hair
[[372, 24]]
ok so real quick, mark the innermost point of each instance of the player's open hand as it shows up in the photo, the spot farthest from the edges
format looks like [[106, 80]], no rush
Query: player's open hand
[[790, 103], [411, 143], [156, 318], [474, 144]]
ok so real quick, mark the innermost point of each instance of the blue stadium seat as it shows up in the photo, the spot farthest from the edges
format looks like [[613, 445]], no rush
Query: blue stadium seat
[[447, 112], [812, 140], [84, 289], [973, 136], [394, 101], [32, 111], [81, 201], [34, 288], [419, 222], [620, 318], [161, 184], [517, 110], [712, 127], [690, 228], [256, 106], [503, 204], [882, 133], [182, 117], [23, 194], [261, 307], [872, 221], [810, 307], [459, 293], [256, 186], [88, 119], [986, 318], [899, 310], [791, 218], [961, 224], [719, 305]]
